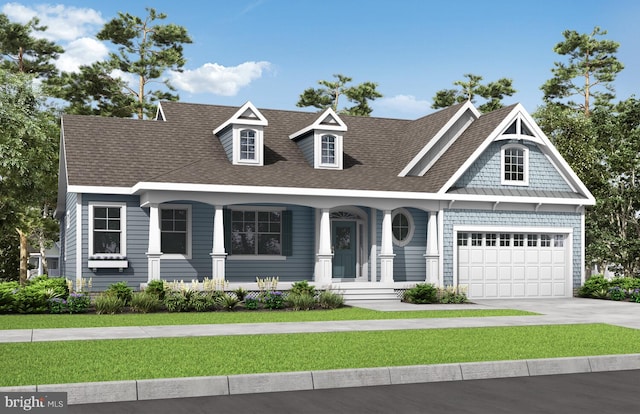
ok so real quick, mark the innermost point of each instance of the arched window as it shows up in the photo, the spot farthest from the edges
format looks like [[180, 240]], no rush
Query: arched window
[[328, 148], [515, 164]]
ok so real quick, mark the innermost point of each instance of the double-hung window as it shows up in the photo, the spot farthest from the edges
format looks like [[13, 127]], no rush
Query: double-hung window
[[248, 144], [255, 232], [515, 165], [328, 149], [175, 230], [107, 230]]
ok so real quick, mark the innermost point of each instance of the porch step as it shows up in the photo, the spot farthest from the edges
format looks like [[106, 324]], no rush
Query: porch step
[[368, 293]]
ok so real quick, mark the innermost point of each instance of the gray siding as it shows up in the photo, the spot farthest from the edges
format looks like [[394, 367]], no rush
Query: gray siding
[[199, 266], [137, 243], [299, 266], [409, 264], [68, 264], [486, 171], [512, 219], [306, 146], [226, 139]]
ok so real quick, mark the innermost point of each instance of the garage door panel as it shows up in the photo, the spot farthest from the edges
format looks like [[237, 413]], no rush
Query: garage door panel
[[534, 270]]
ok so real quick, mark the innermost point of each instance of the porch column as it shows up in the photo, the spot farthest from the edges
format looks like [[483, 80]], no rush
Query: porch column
[[325, 254], [386, 249], [432, 255], [218, 254], [154, 252]]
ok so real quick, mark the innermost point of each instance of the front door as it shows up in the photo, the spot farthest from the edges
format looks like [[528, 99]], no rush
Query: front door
[[344, 248]]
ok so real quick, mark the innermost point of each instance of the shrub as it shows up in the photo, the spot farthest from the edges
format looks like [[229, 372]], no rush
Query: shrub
[[251, 303], [108, 304], [330, 300], [121, 290], [593, 287], [158, 288], [617, 293], [227, 302], [58, 305], [201, 301], [240, 293], [7, 296], [78, 302], [177, 301], [450, 294], [301, 301], [422, 293], [634, 295], [145, 302], [273, 300], [303, 287]]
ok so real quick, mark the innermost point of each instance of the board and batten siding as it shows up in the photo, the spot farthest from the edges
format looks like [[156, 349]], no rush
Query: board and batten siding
[[299, 266], [510, 221], [409, 264], [486, 171], [137, 243]]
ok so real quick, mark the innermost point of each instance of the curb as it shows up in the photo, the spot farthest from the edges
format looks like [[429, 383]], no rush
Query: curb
[[151, 389]]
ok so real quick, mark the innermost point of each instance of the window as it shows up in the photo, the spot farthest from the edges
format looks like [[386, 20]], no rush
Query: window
[[107, 230], [256, 233], [513, 164], [476, 239], [463, 239], [247, 144], [175, 230], [402, 227], [328, 149], [518, 240], [52, 263], [545, 240], [558, 240], [491, 239], [532, 240], [505, 240]]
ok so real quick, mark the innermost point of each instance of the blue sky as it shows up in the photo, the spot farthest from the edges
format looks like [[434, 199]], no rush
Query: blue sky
[[269, 51]]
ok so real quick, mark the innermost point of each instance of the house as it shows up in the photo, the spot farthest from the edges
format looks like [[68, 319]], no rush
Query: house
[[52, 254], [455, 198]]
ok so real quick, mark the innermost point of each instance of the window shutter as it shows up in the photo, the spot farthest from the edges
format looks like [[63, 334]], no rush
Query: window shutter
[[226, 217], [287, 233]]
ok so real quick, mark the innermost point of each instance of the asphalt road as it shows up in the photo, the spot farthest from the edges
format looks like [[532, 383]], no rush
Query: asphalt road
[[606, 392]]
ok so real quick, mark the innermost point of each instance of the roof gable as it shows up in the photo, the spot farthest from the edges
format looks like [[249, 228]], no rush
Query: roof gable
[[248, 114], [327, 121]]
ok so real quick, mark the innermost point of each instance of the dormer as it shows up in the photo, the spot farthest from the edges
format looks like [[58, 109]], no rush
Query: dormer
[[322, 142], [242, 136]]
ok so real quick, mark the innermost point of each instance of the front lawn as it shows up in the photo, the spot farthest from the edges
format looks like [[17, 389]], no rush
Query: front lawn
[[199, 318], [127, 359]]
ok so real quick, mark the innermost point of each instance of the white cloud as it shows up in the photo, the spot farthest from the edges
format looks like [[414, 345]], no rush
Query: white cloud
[[404, 104], [218, 79], [63, 23], [83, 51]]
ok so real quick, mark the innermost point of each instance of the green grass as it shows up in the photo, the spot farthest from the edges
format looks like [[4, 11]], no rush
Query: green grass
[[151, 319], [121, 359]]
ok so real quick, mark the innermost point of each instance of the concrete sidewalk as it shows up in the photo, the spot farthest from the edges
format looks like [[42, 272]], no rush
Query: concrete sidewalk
[[552, 311]]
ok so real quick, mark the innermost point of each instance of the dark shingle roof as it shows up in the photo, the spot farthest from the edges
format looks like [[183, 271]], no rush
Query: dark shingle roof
[[119, 152]]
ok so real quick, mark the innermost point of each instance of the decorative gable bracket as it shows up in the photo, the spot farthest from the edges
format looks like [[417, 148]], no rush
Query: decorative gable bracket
[[242, 136]]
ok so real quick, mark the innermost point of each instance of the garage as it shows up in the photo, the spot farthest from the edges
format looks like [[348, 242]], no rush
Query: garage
[[514, 265]]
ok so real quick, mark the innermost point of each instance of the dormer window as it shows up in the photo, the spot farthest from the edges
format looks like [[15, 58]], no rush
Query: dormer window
[[247, 144], [322, 141], [242, 136], [515, 165], [328, 143]]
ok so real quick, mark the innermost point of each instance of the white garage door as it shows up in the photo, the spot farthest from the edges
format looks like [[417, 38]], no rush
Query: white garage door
[[512, 265]]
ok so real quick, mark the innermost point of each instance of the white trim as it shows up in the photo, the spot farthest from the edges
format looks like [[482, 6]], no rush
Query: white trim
[[318, 124], [79, 257], [123, 227], [411, 224], [468, 106], [583, 250], [525, 165], [236, 118], [373, 240], [173, 256], [361, 237], [251, 257], [338, 155], [160, 112], [258, 145]]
